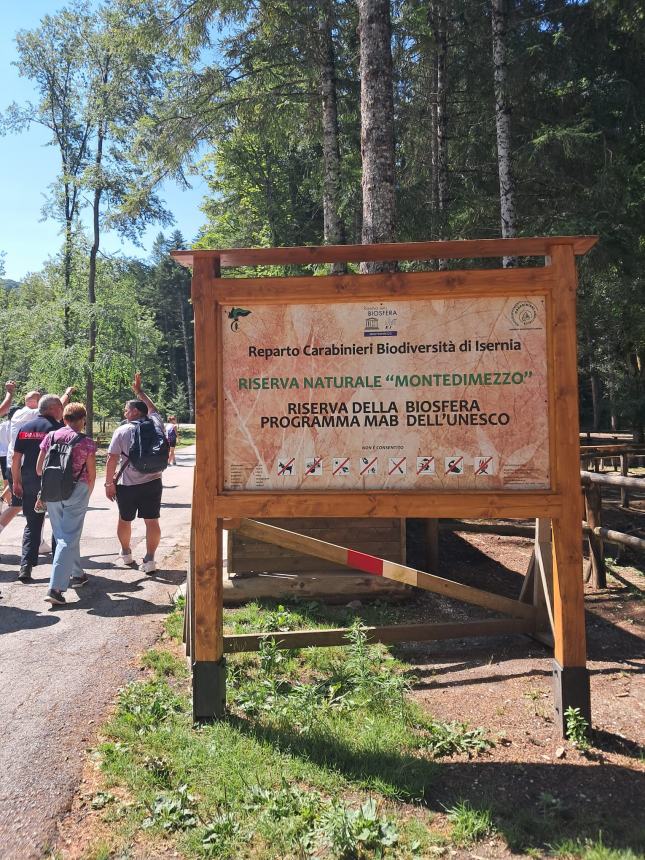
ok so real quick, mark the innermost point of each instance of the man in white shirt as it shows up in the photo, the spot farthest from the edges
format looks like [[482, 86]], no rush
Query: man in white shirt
[[136, 493]]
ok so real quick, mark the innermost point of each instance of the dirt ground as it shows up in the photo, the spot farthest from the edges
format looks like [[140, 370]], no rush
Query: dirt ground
[[541, 790]]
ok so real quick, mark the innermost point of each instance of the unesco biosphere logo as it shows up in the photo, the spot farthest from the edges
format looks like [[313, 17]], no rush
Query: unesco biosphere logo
[[234, 315], [523, 313]]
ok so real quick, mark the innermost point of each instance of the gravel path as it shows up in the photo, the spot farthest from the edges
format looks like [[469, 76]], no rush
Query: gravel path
[[60, 669]]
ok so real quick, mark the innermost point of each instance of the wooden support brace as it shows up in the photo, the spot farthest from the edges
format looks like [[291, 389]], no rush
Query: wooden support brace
[[388, 635], [388, 569]]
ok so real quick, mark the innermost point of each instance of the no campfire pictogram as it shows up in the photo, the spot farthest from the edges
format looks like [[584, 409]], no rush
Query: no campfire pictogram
[[340, 467], [425, 466], [369, 465], [484, 466], [285, 467], [454, 465], [397, 466], [313, 466]]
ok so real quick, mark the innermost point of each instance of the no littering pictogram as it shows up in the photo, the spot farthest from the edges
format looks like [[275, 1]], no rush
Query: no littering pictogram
[[454, 465], [369, 465]]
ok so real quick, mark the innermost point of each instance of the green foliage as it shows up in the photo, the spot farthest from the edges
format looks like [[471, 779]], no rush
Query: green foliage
[[469, 825], [146, 706], [576, 728], [173, 811]]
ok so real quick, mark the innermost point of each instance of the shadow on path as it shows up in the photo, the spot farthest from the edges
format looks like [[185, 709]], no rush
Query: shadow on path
[[12, 618]]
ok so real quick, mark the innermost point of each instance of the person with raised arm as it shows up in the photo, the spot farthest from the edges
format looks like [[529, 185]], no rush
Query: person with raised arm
[[137, 456]]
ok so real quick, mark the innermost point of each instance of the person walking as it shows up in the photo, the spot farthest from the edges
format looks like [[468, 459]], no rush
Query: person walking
[[137, 493], [19, 418], [67, 516], [25, 481], [172, 435]]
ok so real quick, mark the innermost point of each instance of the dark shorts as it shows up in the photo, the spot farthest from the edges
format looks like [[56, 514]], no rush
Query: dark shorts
[[3, 468], [142, 500]]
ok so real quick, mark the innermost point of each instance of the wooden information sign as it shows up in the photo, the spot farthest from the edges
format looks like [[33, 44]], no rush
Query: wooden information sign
[[425, 394]]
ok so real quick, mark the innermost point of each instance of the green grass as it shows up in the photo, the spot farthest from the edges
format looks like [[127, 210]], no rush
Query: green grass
[[323, 753], [469, 825], [319, 749]]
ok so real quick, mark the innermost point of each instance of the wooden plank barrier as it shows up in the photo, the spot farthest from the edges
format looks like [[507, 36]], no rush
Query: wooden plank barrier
[[380, 567], [387, 634]]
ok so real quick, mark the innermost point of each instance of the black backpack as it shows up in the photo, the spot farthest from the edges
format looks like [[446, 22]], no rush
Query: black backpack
[[149, 449], [58, 480]]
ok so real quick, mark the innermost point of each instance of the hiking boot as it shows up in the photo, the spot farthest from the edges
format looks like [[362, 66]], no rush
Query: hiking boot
[[25, 573], [55, 597], [149, 567], [78, 581], [125, 557]]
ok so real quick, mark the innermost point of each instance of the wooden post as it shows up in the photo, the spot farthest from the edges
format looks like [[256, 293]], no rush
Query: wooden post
[[432, 545], [571, 677], [624, 471], [593, 509], [209, 676]]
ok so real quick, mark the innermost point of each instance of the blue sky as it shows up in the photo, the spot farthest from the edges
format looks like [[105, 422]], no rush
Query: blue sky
[[28, 167]]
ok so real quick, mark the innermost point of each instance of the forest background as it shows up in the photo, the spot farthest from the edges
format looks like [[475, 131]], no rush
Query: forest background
[[486, 118]]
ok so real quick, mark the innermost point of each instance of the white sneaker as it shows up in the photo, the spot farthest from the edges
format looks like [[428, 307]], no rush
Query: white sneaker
[[126, 557], [149, 566], [44, 548]]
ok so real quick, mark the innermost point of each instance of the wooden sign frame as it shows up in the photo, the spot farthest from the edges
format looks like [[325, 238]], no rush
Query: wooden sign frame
[[561, 504]]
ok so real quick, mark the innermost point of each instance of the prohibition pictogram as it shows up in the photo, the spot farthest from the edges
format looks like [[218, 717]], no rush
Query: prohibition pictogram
[[340, 466], [285, 467], [397, 466], [369, 466], [313, 466], [484, 466], [454, 465], [425, 466]]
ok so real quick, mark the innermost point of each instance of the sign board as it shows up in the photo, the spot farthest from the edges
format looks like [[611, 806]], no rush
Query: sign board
[[428, 394]]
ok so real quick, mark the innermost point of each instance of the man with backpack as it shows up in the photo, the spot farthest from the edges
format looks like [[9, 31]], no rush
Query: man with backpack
[[25, 480], [137, 456]]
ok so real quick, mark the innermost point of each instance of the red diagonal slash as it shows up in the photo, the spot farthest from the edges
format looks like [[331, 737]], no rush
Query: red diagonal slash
[[286, 466], [482, 466], [397, 465], [317, 461], [425, 465], [340, 465], [369, 465], [455, 463]]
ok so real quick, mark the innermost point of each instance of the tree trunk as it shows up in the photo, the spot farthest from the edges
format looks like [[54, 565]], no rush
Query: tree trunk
[[94, 250], [377, 127], [189, 359], [503, 123], [67, 269], [332, 223], [595, 400], [440, 116]]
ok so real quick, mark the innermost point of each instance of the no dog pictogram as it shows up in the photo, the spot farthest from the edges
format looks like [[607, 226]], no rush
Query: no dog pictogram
[[285, 467]]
